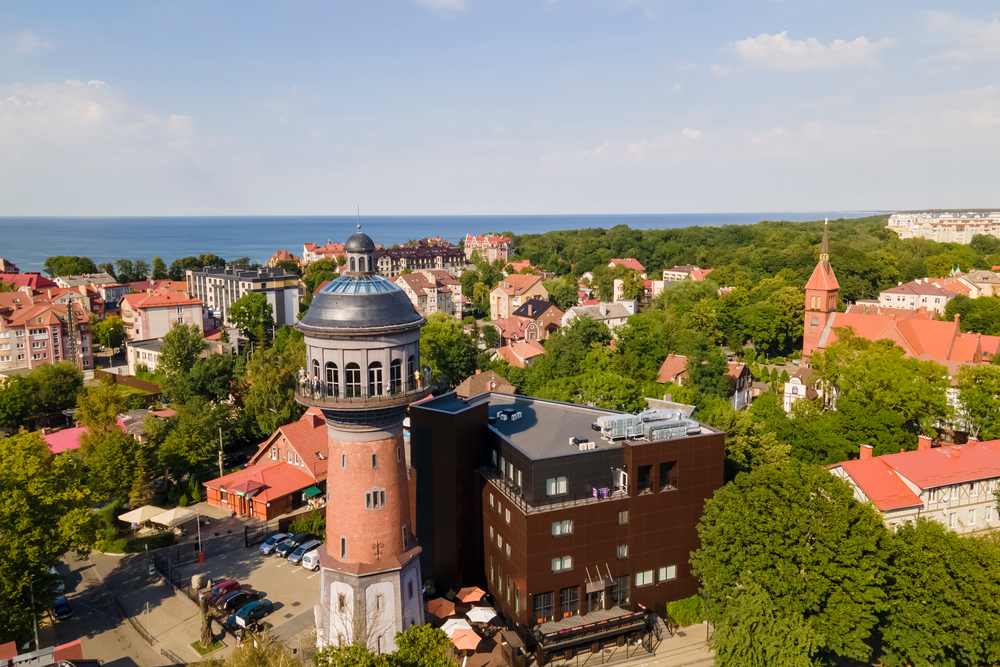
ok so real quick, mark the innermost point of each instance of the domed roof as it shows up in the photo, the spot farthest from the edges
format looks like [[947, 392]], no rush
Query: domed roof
[[359, 304], [359, 242]]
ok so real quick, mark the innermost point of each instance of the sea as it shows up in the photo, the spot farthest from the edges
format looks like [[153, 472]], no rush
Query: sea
[[28, 241]]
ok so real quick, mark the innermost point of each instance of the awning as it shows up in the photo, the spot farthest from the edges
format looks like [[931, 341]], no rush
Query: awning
[[312, 492], [247, 488], [141, 514], [175, 517]]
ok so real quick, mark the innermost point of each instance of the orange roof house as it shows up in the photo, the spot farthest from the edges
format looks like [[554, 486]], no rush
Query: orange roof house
[[628, 262], [520, 354], [513, 291], [283, 256], [150, 315], [674, 369]]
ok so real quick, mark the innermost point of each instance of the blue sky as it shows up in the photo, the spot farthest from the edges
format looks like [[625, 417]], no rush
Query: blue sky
[[496, 106]]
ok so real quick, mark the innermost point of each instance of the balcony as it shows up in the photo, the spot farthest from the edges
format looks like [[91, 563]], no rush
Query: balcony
[[342, 396]]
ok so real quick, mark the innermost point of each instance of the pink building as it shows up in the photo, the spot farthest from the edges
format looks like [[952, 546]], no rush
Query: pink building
[[36, 334], [490, 247], [152, 314]]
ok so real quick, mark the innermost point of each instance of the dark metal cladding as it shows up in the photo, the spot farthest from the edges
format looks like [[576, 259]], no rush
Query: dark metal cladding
[[359, 242], [360, 304]]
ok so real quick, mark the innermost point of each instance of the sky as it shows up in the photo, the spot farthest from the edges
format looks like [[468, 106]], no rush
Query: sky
[[458, 107]]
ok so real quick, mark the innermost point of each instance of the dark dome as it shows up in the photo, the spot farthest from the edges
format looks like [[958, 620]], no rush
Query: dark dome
[[359, 242], [359, 305]]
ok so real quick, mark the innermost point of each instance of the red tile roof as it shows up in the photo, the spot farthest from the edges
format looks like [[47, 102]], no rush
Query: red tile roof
[[32, 280], [517, 267], [822, 278], [307, 437], [628, 262], [919, 337], [672, 368], [517, 354], [68, 438], [275, 479], [877, 480], [517, 283]]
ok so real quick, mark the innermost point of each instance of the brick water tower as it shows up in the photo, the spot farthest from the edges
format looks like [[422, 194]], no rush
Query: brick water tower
[[362, 339]]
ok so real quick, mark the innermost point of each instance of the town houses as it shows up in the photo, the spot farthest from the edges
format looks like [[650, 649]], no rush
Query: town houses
[[490, 248]]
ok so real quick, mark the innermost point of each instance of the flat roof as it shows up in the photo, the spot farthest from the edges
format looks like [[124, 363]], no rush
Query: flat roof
[[151, 344]]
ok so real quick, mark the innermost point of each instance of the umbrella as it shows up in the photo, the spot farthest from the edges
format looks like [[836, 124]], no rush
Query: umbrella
[[471, 594], [481, 614], [141, 514], [441, 608], [454, 624], [174, 517], [465, 640]]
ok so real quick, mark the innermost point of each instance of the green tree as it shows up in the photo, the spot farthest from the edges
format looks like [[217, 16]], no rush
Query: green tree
[[289, 267], [491, 337], [192, 441], [642, 345], [216, 377], [702, 318], [44, 510], [563, 292], [58, 386], [4, 287], [111, 333], [270, 397], [481, 299], [141, 270], [141, 492], [98, 408], [979, 395], [159, 269], [181, 348], [566, 349], [445, 347], [799, 533], [944, 599], [633, 286], [125, 271], [708, 371], [748, 442], [17, 400], [69, 265], [250, 313], [113, 463]]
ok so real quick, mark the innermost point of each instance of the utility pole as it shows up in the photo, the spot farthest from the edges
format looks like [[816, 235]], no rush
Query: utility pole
[[221, 471], [71, 333]]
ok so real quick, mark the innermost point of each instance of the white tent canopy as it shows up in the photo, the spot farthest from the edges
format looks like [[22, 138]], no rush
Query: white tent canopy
[[141, 514], [481, 614], [453, 624], [175, 517]]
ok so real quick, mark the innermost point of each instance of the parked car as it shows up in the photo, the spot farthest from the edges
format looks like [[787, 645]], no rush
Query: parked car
[[296, 556], [233, 602], [310, 561], [272, 542], [292, 543], [61, 609], [58, 584], [250, 614], [220, 589]]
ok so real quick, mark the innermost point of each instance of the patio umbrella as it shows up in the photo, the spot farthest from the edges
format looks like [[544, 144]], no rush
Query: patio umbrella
[[141, 514], [174, 517], [441, 608], [465, 640], [471, 594], [453, 625], [481, 614]]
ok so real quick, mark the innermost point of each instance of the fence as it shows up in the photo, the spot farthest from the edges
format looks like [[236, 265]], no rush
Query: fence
[[172, 657], [256, 534]]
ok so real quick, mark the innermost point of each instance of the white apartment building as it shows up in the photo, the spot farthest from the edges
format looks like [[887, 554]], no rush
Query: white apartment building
[[220, 288], [926, 293], [945, 227]]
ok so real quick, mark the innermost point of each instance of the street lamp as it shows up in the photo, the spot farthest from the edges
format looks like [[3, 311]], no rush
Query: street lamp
[[34, 616]]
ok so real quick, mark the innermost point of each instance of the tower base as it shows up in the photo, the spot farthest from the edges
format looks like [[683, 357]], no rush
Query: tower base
[[368, 604]]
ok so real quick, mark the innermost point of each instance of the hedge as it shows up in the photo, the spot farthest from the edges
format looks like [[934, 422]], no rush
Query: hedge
[[685, 612]]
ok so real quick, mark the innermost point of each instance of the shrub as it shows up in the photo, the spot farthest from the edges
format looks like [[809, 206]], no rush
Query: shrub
[[314, 522], [183, 502], [157, 541], [685, 612]]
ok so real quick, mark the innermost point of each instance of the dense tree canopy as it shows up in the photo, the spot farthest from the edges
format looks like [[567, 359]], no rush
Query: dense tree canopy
[[69, 265], [445, 347], [253, 315]]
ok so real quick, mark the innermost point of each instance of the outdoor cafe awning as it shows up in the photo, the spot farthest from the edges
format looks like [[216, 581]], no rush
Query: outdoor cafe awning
[[175, 517], [141, 514], [312, 492]]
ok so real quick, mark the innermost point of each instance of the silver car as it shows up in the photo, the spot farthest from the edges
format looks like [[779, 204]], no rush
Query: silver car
[[272, 543], [296, 556]]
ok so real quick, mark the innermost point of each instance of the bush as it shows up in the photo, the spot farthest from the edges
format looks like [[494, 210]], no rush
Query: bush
[[183, 502], [157, 541], [314, 522], [685, 612]]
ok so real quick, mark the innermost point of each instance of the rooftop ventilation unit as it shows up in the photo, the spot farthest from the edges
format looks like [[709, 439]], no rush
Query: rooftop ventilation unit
[[586, 446], [648, 425]]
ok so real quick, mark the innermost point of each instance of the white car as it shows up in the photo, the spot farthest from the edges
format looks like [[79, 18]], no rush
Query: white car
[[311, 560]]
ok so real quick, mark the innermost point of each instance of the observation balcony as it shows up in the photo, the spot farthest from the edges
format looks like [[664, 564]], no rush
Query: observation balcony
[[341, 396]]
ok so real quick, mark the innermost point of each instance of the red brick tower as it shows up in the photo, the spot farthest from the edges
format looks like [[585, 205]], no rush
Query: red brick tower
[[821, 299], [362, 338]]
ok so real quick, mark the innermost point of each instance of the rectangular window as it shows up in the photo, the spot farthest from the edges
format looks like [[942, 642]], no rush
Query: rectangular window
[[491, 500], [517, 600], [507, 550], [623, 551], [562, 564], [491, 569], [570, 601], [989, 513], [492, 535], [623, 518], [493, 455], [519, 479], [506, 515], [644, 479], [503, 465], [374, 461], [644, 578], [668, 573], [668, 476], [619, 591], [972, 517], [343, 461], [500, 541], [555, 486], [560, 528], [343, 550], [543, 607], [274, 452]]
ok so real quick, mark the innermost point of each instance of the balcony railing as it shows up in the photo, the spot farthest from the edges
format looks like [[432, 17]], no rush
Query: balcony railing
[[343, 394], [547, 503]]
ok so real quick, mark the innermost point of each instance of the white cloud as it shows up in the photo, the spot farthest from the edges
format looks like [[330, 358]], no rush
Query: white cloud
[[977, 39], [691, 134], [26, 43], [719, 70], [780, 53], [456, 5]]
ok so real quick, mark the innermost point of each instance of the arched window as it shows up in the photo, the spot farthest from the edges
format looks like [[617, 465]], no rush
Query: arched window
[[395, 376], [352, 264], [332, 379], [361, 264], [411, 372], [352, 380], [375, 379]]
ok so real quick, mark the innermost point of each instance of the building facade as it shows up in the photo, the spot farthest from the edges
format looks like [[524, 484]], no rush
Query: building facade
[[923, 293], [390, 262], [39, 334], [514, 291], [153, 314], [945, 227], [490, 248], [220, 288], [362, 338]]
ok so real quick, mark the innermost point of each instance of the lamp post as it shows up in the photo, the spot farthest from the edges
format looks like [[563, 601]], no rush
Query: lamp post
[[201, 554], [34, 616]]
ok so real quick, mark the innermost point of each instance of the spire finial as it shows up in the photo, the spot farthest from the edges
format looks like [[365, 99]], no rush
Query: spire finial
[[359, 217], [824, 249]]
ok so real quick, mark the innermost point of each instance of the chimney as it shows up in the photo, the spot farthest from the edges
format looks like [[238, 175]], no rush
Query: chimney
[[957, 316], [923, 442], [972, 440], [478, 371], [866, 452]]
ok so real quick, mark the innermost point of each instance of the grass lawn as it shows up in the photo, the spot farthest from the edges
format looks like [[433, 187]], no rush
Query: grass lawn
[[130, 391], [205, 651]]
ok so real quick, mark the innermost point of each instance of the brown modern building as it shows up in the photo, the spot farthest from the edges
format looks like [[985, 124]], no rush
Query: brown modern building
[[575, 511]]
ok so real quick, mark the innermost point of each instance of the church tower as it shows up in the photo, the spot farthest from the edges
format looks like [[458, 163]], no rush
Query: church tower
[[821, 298], [362, 339]]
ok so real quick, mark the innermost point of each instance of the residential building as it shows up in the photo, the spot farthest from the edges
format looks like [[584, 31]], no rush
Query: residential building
[[284, 256], [490, 248], [159, 286], [952, 484], [220, 288], [945, 227], [143, 353], [674, 369], [801, 384], [482, 383], [546, 316], [685, 272], [922, 293], [7, 266], [976, 283], [578, 511], [152, 314], [312, 252], [514, 291], [390, 262], [431, 291], [95, 279], [651, 290], [38, 334], [630, 263], [26, 281], [610, 314], [514, 330], [519, 354]]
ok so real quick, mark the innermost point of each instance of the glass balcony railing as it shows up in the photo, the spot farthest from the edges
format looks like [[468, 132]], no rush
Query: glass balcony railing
[[319, 393]]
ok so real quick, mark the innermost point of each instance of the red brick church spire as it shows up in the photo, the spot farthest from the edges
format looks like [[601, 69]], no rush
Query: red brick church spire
[[821, 297]]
